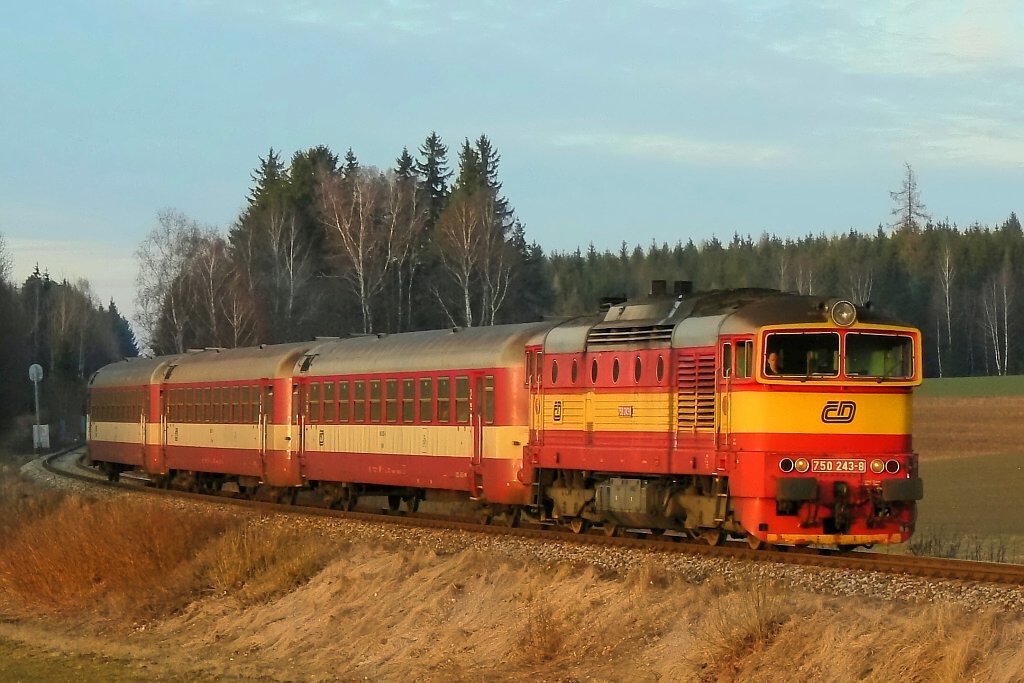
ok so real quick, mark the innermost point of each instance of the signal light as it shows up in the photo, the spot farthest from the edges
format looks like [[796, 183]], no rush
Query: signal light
[[877, 466], [786, 465], [843, 313], [892, 466], [802, 465]]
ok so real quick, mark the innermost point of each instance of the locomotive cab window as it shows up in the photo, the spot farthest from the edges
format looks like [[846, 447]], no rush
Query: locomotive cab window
[[879, 356], [744, 359], [801, 355]]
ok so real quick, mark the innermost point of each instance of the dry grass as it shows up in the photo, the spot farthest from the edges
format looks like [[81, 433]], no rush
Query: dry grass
[[124, 557], [257, 562]]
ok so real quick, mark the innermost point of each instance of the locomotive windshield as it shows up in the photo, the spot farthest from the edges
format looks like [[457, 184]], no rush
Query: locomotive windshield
[[802, 354], [879, 355]]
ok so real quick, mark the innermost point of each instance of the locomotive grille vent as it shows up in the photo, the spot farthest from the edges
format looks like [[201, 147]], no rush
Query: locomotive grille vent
[[630, 335], [696, 392]]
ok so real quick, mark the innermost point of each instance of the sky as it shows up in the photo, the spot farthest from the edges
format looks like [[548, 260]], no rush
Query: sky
[[646, 120]]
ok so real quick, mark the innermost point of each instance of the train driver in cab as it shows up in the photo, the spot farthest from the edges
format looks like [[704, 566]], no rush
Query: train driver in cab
[[771, 365]]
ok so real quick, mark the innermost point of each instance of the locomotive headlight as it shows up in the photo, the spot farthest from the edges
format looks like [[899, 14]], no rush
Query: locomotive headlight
[[877, 466], [892, 466], [843, 313], [786, 465], [802, 465]]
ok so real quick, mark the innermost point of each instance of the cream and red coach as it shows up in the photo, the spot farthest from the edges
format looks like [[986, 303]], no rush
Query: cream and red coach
[[658, 414]]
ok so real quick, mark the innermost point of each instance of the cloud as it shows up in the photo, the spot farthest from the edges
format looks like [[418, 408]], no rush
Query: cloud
[[679, 149], [911, 38]]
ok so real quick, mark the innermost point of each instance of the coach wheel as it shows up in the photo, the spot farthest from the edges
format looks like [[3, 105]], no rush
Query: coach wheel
[[611, 530], [393, 503], [513, 517], [348, 500], [713, 536], [578, 525], [754, 542], [412, 503]]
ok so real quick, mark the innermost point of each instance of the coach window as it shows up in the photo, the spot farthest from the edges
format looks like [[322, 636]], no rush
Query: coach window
[[207, 409], [554, 371], [462, 399], [375, 401], [408, 400], [343, 409], [313, 402], [444, 397], [575, 371], [489, 397], [615, 370], [254, 406], [391, 400], [225, 400], [216, 405], [359, 401], [661, 368], [638, 369], [329, 405], [245, 413], [726, 359], [426, 399]]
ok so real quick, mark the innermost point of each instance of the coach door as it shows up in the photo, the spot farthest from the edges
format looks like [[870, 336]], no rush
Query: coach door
[[534, 367], [476, 406]]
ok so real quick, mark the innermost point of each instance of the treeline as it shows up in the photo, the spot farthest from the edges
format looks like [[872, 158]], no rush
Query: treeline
[[329, 246], [60, 326], [960, 286]]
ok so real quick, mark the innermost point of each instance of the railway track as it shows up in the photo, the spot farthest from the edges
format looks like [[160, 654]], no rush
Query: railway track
[[866, 561]]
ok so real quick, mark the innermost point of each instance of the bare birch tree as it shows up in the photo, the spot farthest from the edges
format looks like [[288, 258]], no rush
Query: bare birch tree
[[360, 233], [459, 237], [163, 257]]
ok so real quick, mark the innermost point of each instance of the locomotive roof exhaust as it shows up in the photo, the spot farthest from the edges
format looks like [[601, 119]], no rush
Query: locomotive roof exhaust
[[679, 287]]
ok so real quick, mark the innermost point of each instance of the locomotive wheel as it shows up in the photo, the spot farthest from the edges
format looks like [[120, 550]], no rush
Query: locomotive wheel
[[657, 532], [612, 530], [713, 536], [513, 517], [755, 543], [393, 503], [578, 525]]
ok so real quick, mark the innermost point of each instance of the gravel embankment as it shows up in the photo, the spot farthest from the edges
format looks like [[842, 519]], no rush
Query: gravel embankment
[[619, 561]]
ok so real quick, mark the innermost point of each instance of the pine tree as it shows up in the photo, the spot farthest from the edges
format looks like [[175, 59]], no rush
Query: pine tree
[[433, 169]]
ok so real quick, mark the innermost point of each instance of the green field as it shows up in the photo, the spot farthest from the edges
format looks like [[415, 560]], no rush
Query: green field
[[1011, 385]]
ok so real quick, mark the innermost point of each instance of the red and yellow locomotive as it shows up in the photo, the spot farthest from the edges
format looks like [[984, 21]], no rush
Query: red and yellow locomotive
[[780, 418]]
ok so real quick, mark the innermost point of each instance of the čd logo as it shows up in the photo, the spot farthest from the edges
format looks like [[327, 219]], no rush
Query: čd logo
[[838, 412]]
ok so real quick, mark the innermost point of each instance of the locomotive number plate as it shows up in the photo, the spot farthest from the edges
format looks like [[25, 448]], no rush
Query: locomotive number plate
[[847, 465]]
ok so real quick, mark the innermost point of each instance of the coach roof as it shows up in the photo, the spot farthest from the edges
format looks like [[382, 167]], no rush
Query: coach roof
[[131, 372], [225, 365], [452, 349]]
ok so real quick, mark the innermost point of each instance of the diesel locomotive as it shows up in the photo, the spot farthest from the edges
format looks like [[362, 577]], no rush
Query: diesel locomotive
[[751, 413]]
